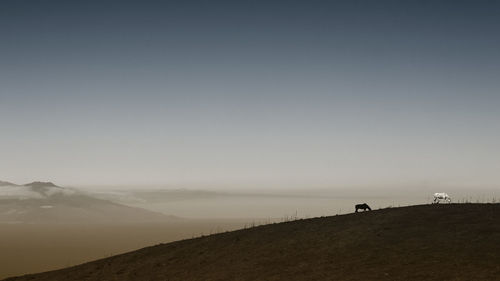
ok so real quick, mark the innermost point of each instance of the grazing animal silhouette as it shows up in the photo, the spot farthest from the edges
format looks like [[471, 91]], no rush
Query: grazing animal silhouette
[[363, 206], [441, 196]]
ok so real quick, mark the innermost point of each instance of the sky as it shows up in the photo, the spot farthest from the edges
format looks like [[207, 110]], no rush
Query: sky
[[250, 93]]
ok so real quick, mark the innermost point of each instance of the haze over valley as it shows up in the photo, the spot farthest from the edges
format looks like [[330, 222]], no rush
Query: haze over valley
[[45, 202]]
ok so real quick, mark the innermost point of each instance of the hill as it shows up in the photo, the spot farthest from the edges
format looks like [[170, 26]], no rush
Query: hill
[[425, 242], [45, 202], [41, 184], [6, 183]]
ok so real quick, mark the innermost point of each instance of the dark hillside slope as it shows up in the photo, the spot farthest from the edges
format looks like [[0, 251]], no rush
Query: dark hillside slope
[[426, 242]]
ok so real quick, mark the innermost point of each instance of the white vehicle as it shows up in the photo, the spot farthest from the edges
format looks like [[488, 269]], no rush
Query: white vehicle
[[441, 196]]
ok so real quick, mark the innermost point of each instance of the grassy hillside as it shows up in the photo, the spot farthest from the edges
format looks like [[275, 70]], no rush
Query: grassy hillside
[[426, 242]]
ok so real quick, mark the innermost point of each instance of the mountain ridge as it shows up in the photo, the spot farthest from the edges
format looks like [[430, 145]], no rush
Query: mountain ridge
[[38, 184], [43, 202], [6, 183]]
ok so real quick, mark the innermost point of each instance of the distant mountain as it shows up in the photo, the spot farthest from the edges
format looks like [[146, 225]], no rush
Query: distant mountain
[[46, 202], [41, 184], [6, 183]]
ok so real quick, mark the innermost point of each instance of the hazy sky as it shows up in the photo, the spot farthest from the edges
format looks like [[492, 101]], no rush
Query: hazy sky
[[250, 93]]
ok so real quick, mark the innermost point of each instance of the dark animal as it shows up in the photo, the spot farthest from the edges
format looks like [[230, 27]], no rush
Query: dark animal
[[363, 206]]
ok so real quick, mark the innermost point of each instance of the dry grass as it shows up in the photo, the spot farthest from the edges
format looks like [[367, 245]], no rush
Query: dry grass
[[426, 242]]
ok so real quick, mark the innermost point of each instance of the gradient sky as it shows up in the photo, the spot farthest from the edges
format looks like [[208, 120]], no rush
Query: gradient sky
[[250, 93]]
